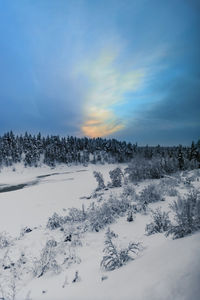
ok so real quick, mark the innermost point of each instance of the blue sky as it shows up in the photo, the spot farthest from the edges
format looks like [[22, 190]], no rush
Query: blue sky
[[127, 69]]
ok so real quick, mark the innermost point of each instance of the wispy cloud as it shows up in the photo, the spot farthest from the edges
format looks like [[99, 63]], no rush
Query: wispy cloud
[[109, 85]]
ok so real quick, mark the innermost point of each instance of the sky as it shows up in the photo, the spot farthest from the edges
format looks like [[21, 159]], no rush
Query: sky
[[125, 69]]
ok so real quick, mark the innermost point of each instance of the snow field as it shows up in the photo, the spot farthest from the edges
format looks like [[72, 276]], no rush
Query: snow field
[[165, 269]]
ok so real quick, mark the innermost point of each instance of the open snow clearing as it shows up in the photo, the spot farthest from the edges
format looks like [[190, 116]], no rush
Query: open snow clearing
[[54, 234]]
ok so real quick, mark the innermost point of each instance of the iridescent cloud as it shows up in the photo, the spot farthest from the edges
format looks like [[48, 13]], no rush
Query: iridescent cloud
[[101, 123], [109, 86]]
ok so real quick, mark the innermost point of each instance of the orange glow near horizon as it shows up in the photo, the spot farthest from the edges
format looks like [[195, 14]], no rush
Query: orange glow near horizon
[[100, 123], [99, 130]]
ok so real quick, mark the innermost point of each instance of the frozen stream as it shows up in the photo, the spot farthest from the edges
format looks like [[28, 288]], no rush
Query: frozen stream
[[4, 188], [29, 196]]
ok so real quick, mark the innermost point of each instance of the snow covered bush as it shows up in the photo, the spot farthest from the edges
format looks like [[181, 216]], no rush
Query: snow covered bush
[[55, 221], [70, 258], [5, 240], [73, 235], [150, 194], [12, 274], [116, 177], [172, 192], [187, 215], [167, 186], [47, 260], [99, 178], [171, 181], [9, 287], [129, 192], [160, 222], [119, 206], [76, 215], [141, 168], [100, 216], [95, 217], [113, 257], [192, 178]]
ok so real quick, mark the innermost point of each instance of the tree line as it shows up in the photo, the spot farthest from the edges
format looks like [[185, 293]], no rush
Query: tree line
[[33, 150]]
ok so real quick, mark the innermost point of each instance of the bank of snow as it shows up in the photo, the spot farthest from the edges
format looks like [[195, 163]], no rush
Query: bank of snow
[[166, 269]]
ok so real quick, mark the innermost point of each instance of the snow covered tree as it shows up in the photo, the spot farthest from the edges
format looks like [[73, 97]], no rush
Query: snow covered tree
[[147, 161], [116, 177], [193, 151], [180, 158], [99, 178]]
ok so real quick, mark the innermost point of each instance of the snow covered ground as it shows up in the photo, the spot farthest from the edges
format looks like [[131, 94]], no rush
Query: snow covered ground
[[33, 204], [164, 268]]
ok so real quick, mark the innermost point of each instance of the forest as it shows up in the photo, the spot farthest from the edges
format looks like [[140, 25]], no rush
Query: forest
[[34, 150]]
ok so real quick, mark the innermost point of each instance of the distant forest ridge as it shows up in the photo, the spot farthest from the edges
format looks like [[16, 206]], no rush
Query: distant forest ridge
[[33, 150]]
